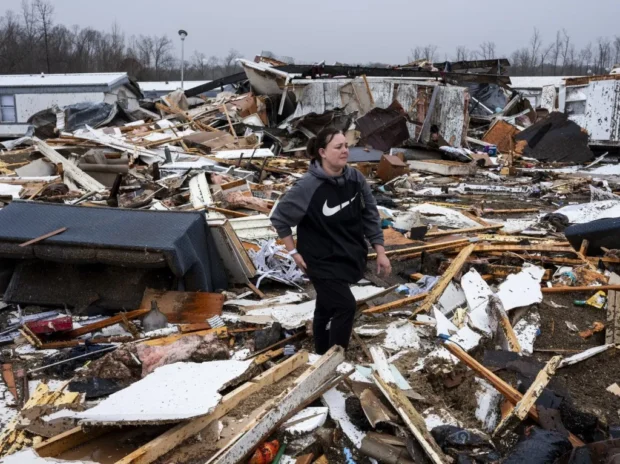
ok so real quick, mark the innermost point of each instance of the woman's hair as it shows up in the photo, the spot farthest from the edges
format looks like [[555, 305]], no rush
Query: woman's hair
[[321, 140]]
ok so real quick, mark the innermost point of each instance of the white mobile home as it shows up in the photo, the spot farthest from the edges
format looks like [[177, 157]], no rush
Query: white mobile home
[[23, 95]]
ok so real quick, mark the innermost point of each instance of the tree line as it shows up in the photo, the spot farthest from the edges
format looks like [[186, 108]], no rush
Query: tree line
[[31, 42]]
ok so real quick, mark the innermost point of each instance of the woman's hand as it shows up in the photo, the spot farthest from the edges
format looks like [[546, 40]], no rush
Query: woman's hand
[[383, 264], [301, 264]]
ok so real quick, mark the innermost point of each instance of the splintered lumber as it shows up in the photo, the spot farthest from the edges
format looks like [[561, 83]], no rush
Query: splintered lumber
[[497, 270], [106, 323], [68, 440], [395, 304], [434, 250], [43, 237], [504, 322], [177, 435], [537, 248], [522, 408], [469, 230], [280, 408], [9, 379], [69, 168], [509, 392], [454, 268], [221, 332], [384, 379], [585, 288], [429, 247], [227, 212], [510, 211], [363, 301], [184, 307], [583, 250]]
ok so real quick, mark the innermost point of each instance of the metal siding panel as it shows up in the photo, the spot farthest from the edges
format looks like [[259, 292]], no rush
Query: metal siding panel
[[382, 93], [599, 109], [311, 100], [449, 114]]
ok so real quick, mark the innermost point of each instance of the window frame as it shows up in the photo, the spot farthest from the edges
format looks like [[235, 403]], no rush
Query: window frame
[[2, 107]]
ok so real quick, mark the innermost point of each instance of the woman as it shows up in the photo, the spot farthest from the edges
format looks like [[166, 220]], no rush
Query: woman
[[334, 210]]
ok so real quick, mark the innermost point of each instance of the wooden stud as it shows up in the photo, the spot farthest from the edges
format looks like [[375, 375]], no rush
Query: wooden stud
[[395, 304], [612, 327], [583, 250], [510, 211], [430, 246], [445, 279], [522, 408], [227, 212], [510, 393], [106, 323], [538, 248], [69, 440], [43, 237], [579, 289], [504, 322], [220, 332], [256, 291], [469, 230]]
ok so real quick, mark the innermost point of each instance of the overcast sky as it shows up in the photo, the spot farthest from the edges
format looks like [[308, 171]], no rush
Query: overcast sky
[[351, 31]]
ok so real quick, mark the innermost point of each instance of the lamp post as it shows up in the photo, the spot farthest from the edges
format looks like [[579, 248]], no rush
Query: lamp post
[[182, 34]]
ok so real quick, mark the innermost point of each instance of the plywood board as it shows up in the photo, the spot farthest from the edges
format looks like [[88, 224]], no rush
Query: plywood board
[[185, 307]]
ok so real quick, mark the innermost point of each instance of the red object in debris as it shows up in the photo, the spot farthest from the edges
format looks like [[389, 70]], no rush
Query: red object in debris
[[266, 453], [48, 326]]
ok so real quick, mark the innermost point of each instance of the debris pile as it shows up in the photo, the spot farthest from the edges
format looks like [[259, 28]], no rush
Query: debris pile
[[150, 313]]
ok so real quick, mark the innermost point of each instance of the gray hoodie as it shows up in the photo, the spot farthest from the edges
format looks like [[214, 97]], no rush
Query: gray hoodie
[[334, 216]]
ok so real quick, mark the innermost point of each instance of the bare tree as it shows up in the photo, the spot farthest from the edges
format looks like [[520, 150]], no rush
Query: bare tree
[[162, 53], [462, 53], [544, 53], [45, 11], [535, 44], [567, 51], [603, 48], [487, 50], [229, 62], [616, 50]]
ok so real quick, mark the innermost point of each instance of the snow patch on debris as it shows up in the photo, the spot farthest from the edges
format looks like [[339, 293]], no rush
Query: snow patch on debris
[[29, 456], [586, 212], [436, 417], [443, 217], [335, 401]]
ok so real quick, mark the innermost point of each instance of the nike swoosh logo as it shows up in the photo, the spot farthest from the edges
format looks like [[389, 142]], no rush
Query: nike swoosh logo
[[327, 211]]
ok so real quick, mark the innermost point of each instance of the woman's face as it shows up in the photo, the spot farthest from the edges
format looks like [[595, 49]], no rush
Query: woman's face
[[336, 153]]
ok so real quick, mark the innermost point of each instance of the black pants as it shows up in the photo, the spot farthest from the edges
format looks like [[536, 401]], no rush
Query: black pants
[[335, 303]]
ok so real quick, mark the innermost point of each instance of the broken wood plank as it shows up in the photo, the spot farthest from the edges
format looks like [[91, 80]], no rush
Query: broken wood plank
[[105, 323], [522, 408], [220, 332], [43, 237], [509, 392], [256, 291], [9, 379], [178, 434], [497, 270], [510, 211], [395, 304], [504, 322], [469, 230], [456, 248], [364, 301], [421, 248], [384, 379], [443, 282], [538, 248], [592, 288], [280, 408], [68, 440], [281, 342], [69, 168], [583, 250], [185, 307], [227, 212]]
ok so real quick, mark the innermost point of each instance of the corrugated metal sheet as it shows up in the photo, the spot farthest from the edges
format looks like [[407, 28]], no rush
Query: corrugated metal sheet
[[53, 80], [449, 112]]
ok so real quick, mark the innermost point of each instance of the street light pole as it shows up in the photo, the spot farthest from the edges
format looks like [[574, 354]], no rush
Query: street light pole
[[182, 34]]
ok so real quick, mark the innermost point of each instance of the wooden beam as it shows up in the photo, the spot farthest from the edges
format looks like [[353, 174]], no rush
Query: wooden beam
[[105, 323], [256, 291], [279, 409], [43, 237], [69, 168], [384, 379], [281, 342], [543, 259], [612, 327], [594, 288], [497, 270], [510, 211], [504, 322], [68, 440], [227, 212], [583, 250], [455, 248], [522, 408], [469, 230], [395, 304], [415, 249], [221, 332], [363, 301], [509, 392], [538, 248], [178, 434], [438, 289]]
